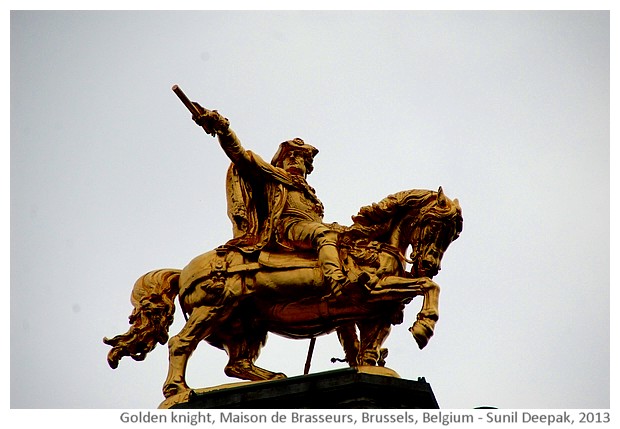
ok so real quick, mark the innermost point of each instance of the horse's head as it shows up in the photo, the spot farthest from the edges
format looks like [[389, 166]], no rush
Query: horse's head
[[432, 230], [428, 221]]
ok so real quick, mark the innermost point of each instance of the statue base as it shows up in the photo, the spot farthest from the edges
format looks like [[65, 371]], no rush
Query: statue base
[[360, 387]]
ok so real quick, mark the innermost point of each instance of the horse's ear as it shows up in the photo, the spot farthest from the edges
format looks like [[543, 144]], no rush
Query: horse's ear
[[442, 201]]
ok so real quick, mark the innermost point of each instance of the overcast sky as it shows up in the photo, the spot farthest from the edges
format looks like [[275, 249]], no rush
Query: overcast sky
[[110, 178]]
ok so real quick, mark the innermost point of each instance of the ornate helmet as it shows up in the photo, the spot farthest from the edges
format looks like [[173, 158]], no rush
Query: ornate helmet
[[297, 145]]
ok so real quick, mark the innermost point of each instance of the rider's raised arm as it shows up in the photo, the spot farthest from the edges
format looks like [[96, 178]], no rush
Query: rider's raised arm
[[231, 145], [216, 124]]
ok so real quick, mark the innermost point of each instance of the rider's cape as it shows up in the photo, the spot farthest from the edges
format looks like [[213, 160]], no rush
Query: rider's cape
[[256, 198]]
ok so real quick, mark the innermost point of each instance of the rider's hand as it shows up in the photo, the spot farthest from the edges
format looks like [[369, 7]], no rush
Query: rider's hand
[[211, 120]]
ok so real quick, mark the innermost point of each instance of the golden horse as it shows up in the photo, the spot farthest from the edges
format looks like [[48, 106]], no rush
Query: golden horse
[[233, 302]]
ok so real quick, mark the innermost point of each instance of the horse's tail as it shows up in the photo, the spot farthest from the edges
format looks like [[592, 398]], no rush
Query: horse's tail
[[153, 301]]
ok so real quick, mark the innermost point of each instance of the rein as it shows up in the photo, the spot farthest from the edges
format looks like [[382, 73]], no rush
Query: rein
[[395, 251]]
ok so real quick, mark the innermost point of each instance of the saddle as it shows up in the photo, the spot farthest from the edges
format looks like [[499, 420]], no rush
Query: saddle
[[228, 260], [287, 260], [291, 260]]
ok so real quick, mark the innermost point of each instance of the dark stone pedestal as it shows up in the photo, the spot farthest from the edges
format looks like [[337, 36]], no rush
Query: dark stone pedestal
[[346, 388]]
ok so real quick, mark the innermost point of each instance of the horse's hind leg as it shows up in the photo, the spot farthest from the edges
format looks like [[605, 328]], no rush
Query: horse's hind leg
[[243, 352], [201, 323], [347, 335]]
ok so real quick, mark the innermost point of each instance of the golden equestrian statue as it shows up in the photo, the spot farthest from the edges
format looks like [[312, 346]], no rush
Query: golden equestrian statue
[[286, 271]]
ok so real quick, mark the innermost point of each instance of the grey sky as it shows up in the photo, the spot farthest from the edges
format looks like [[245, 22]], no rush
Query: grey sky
[[110, 178]]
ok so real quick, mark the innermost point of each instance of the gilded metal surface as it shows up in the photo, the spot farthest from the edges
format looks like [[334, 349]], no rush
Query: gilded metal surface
[[286, 271]]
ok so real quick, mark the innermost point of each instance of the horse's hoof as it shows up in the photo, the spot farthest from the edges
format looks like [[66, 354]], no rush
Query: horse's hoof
[[174, 389], [421, 333]]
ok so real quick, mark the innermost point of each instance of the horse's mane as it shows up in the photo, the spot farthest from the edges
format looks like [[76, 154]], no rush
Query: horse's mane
[[376, 219]]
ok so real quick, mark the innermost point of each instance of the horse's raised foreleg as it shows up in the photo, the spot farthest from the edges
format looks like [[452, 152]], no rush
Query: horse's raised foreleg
[[424, 326], [393, 286], [201, 323]]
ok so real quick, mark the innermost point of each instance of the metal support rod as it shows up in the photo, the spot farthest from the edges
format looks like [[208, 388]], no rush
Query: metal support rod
[[309, 357]]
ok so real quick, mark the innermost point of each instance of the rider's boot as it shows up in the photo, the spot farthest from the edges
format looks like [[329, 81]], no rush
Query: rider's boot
[[330, 264]]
